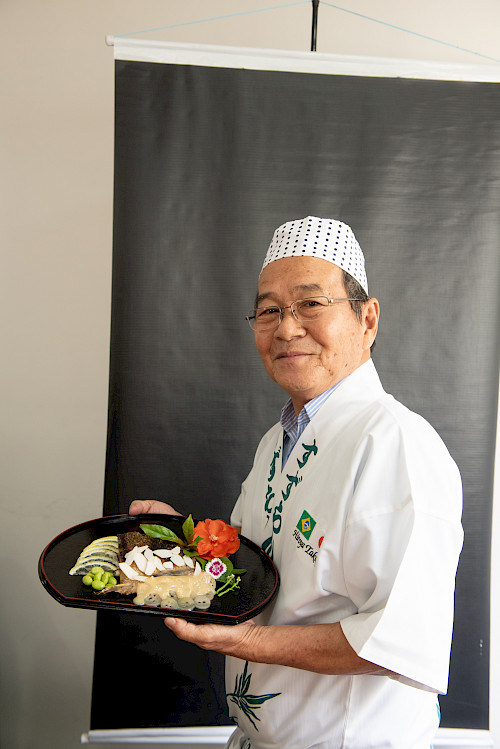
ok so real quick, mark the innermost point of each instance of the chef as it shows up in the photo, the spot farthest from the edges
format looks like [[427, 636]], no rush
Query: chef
[[358, 502]]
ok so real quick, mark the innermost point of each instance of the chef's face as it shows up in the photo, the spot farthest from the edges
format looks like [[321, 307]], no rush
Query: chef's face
[[306, 359]]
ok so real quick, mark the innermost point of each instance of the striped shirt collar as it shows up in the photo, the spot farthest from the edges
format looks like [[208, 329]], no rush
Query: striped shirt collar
[[289, 421], [293, 426]]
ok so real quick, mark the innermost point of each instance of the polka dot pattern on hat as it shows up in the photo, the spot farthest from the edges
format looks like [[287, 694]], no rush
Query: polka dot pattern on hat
[[324, 238]]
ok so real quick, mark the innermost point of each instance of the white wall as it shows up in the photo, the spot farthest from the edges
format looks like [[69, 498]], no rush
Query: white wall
[[56, 177]]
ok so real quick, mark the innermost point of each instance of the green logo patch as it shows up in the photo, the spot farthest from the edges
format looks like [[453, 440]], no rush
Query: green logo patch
[[306, 524]]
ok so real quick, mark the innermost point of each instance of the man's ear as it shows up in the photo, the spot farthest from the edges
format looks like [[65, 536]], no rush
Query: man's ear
[[371, 314]]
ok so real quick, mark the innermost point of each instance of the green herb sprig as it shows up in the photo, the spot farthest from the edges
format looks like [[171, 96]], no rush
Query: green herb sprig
[[232, 583]]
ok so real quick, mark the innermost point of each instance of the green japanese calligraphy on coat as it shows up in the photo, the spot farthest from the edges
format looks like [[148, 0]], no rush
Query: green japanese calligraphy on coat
[[293, 481], [309, 450]]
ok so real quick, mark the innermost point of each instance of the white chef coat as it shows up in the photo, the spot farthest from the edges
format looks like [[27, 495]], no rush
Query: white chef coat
[[364, 525]]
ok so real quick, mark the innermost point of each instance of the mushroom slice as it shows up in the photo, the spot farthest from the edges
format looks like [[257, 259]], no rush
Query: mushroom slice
[[141, 562], [129, 572], [163, 553], [178, 560], [158, 564]]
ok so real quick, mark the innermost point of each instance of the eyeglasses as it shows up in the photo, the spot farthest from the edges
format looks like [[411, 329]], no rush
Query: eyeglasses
[[303, 310]]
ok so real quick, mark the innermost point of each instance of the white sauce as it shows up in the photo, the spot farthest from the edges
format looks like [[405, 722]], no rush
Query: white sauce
[[179, 586]]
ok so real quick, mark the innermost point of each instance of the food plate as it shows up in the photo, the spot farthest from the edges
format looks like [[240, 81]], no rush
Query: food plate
[[257, 589]]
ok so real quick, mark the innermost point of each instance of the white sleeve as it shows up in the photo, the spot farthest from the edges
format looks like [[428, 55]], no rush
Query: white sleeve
[[400, 558]]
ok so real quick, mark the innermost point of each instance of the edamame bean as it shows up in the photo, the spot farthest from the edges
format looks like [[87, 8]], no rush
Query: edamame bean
[[98, 579]]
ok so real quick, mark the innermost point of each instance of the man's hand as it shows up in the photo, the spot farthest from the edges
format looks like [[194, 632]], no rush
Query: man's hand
[[238, 640], [151, 506]]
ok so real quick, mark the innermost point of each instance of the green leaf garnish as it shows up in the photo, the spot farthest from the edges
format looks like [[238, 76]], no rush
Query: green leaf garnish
[[188, 528], [165, 534]]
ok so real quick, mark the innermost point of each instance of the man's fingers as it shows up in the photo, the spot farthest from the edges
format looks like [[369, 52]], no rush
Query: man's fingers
[[137, 507], [151, 506], [185, 631], [174, 624]]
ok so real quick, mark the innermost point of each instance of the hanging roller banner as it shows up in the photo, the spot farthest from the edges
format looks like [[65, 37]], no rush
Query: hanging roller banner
[[214, 148]]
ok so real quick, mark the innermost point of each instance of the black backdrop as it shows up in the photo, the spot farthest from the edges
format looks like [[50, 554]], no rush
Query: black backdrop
[[208, 161]]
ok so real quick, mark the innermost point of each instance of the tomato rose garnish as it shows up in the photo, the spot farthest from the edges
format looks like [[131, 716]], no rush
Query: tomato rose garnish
[[217, 539]]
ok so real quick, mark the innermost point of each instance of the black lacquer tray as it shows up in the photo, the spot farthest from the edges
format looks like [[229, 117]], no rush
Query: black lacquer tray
[[257, 589]]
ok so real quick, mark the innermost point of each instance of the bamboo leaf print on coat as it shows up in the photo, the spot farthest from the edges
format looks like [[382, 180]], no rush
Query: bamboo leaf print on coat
[[248, 703]]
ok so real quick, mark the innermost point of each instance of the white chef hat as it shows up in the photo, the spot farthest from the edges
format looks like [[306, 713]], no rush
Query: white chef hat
[[325, 238]]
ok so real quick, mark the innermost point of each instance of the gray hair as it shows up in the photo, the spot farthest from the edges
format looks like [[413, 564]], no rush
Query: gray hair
[[358, 296]]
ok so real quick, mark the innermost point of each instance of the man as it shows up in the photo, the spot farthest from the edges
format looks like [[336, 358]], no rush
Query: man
[[359, 503]]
